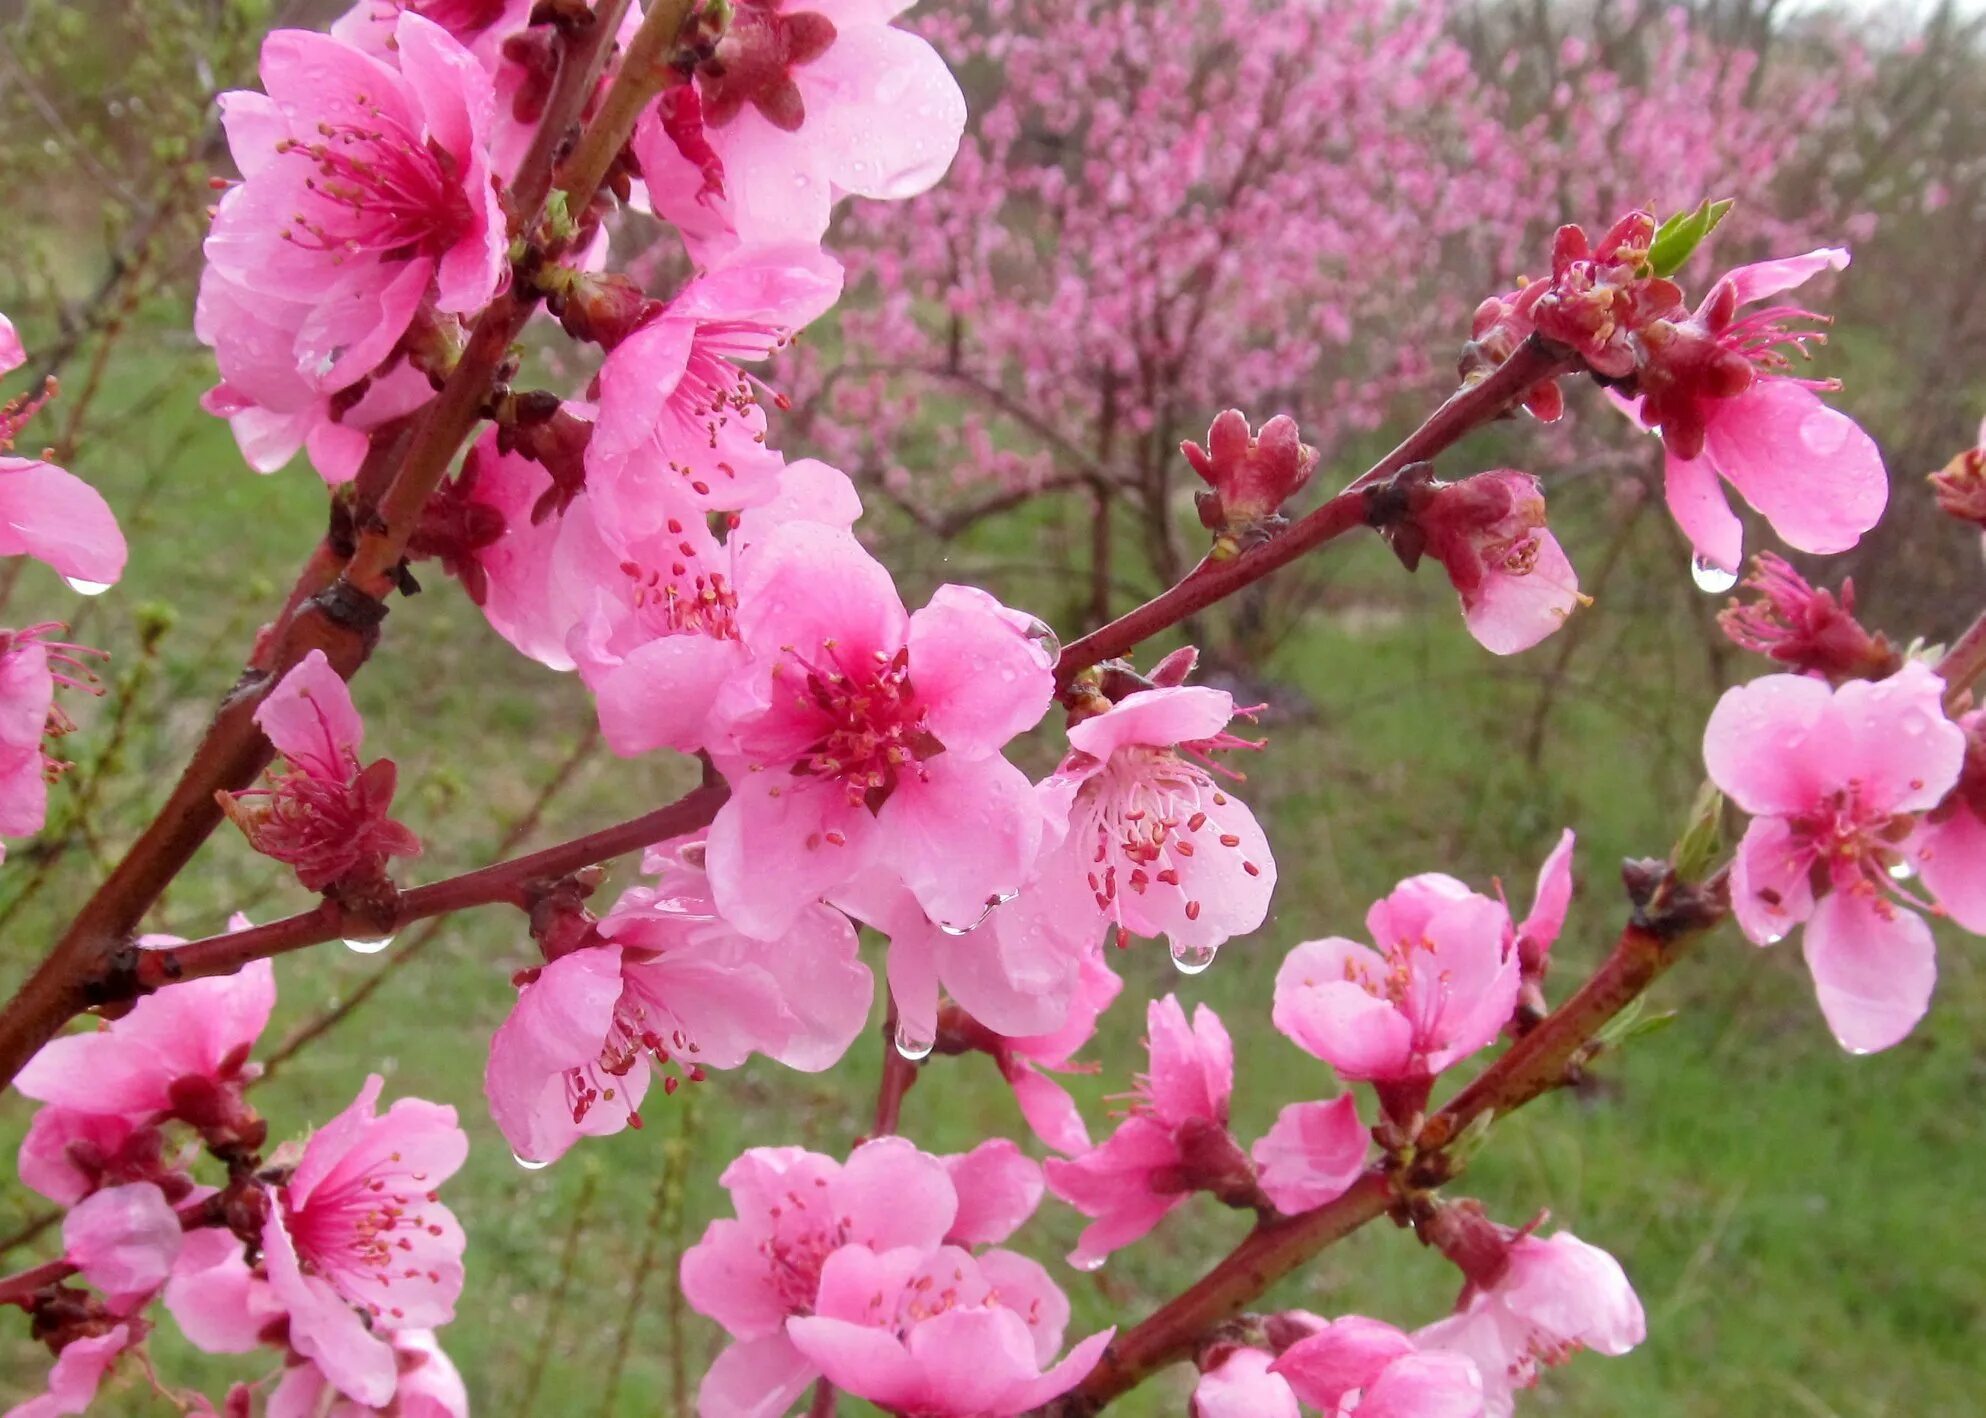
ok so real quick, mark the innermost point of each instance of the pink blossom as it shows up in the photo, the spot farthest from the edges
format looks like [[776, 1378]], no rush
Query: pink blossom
[[1028, 1062], [427, 1385], [1834, 780], [12, 354], [942, 1334], [1804, 627], [1173, 1143], [1439, 986], [863, 737], [1489, 533], [680, 430], [1154, 843], [327, 817], [46, 513], [366, 185], [27, 694], [187, 1038], [672, 981], [1241, 1386], [1312, 1155], [1249, 476], [78, 1372], [998, 1188], [1556, 1297], [1552, 898], [795, 1209], [799, 108], [1362, 1366], [1716, 386], [68, 1154], [480, 26], [124, 1240], [1949, 846], [219, 1303], [357, 1225]]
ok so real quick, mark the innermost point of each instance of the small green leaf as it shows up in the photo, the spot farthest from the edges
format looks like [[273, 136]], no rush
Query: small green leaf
[[1677, 238], [1703, 838]]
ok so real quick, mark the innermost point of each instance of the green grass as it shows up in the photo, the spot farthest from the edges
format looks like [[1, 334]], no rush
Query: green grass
[[1802, 1225]]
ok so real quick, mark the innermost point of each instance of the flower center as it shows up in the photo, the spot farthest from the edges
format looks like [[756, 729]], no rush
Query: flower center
[[1147, 814], [686, 598], [377, 190], [870, 727]]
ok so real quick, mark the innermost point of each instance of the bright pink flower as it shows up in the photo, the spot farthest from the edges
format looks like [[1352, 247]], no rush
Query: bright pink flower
[[68, 1154], [1717, 388], [942, 1334], [1489, 534], [124, 1240], [186, 1038], [480, 26], [800, 107], [428, 1385], [1834, 780], [1249, 476], [365, 185], [672, 982], [1949, 847], [1556, 1297], [998, 1188], [1027, 1062], [1173, 1143], [680, 430], [1538, 932], [863, 737], [327, 817], [1241, 1386], [1155, 844], [1440, 985], [1806, 628], [357, 1224], [78, 1372], [46, 513], [1312, 1154], [1362, 1366], [794, 1209]]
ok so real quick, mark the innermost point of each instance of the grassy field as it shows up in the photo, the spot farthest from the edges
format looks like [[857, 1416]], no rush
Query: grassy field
[[1803, 1226]]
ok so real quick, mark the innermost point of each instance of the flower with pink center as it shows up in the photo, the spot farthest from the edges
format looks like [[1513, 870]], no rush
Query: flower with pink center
[[1240, 1385], [670, 983], [187, 1039], [942, 1334], [680, 429], [327, 816], [78, 1373], [1440, 984], [1489, 534], [1173, 1143], [793, 1210], [1357, 1365], [1835, 781], [1155, 845], [1554, 1297], [799, 107], [357, 1228], [365, 184], [46, 513], [1716, 386], [862, 737]]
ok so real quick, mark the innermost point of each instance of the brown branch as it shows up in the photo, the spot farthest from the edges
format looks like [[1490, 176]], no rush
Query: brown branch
[[1468, 408]]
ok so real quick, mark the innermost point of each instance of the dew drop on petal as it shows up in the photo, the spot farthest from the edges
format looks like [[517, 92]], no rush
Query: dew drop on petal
[[1043, 635], [1774, 937], [912, 1044], [368, 946], [1711, 578], [86, 588], [527, 1164], [1192, 959], [1087, 1262]]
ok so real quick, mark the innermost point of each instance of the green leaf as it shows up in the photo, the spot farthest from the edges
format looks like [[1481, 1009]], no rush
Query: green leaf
[[1703, 839], [1677, 238]]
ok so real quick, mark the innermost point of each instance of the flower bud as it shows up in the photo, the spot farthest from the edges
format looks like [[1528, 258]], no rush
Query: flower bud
[[1249, 477]]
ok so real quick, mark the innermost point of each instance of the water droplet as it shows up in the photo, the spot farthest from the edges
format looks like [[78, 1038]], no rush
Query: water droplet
[[1087, 1262], [86, 588], [368, 946], [1043, 635], [911, 1044], [1192, 959], [993, 903], [527, 1164], [1774, 937], [1711, 578], [1901, 870]]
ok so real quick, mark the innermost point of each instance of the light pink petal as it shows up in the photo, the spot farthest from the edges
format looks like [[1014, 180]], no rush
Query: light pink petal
[[1810, 469], [432, 1387], [1191, 1073], [217, 1302], [636, 382], [1951, 857], [1463, 988], [1049, 1110], [979, 671], [728, 1277], [1346, 1355], [889, 112], [1697, 503], [1893, 741], [12, 356], [894, 1195], [1025, 1287], [780, 288], [809, 585], [1768, 744], [47, 1160], [826, 988], [912, 968], [1312, 1155], [323, 1328], [1018, 973], [1243, 1387], [770, 857], [1511, 613], [869, 1363], [1562, 1286], [1074, 1368], [755, 1378], [998, 1189], [774, 185], [1771, 880], [57, 518], [331, 1144], [1552, 898], [661, 695], [1157, 717], [1874, 965], [346, 336], [310, 718], [560, 1021], [972, 1360], [809, 491], [1426, 1386], [76, 1376], [1764, 278], [124, 1240], [962, 835], [1333, 1018]]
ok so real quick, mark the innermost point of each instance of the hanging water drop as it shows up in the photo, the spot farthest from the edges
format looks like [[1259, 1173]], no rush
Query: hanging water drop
[[911, 1044], [1042, 634], [527, 1164], [368, 945], [1774, 937], [1711, 578], [993, 903], [1087, 1262], [86, 588], [1901, 869], [1192, 959]]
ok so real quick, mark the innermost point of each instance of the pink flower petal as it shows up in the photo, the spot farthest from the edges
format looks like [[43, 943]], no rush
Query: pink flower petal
[[310, 718], [1510, 613], [1333, 1018], [1764, 278], [1874, 965], [1241, 1386], [124, 1240], [1810, 469], [1767, 745], [60, 520], [962, 835], [893, 116], [1951, 857], [998, 1189], [978, 669], [1771, 880], [755, 1378], [1312, 1155], [1698, 504]]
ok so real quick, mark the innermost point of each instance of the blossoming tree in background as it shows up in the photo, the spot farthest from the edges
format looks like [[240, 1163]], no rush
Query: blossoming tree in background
[[422, 185]]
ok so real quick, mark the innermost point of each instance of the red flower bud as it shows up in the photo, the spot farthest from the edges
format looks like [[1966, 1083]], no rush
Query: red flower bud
[[1249, 476]]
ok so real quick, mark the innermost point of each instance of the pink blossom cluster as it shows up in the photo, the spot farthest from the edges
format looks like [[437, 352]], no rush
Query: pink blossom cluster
[[339, 1254]]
